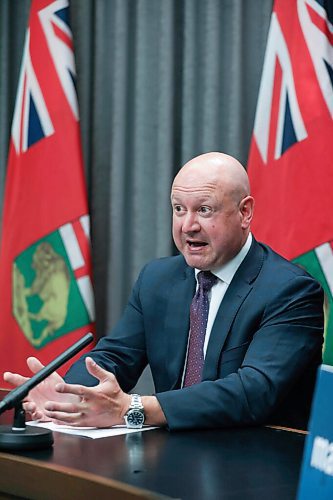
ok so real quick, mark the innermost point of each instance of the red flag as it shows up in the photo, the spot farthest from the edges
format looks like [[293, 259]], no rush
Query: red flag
[[290, 162], [46, 293]]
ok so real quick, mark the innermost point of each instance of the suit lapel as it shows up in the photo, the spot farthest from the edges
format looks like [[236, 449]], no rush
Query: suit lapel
[[177, 323], [236, 293]]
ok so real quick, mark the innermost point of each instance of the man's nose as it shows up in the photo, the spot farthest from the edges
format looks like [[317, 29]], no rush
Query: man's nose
[[190, 223]]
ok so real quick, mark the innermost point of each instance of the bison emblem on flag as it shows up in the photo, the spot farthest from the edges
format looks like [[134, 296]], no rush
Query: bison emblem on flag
[[52, 290]]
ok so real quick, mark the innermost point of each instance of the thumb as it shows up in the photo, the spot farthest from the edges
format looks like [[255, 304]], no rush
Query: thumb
[[34, 364], [98, 372]]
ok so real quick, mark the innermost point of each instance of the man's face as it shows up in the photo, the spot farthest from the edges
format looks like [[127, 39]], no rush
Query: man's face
[[209, 224]]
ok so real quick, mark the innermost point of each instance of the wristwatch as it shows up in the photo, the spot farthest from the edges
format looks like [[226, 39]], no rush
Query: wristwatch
[[135, 415]]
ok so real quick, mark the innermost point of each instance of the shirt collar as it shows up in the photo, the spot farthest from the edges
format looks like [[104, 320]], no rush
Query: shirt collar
[[227, 271]]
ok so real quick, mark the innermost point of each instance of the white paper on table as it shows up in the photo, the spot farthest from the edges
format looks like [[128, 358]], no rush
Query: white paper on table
[[89, 432]]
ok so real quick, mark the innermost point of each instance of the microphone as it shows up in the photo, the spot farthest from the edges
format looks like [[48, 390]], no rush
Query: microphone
[[20, 392], [19, 437]]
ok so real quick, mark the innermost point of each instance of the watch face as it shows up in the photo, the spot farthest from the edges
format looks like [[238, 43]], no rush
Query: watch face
[[135, 418]]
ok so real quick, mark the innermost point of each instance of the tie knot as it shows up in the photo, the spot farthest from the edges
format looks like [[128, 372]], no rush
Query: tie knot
[[206, 280]]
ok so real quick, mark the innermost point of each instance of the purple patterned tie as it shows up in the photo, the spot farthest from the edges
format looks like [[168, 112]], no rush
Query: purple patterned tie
[[198, 322]]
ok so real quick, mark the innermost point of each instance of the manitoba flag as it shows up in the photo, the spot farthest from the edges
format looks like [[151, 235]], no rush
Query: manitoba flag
[[46, 296], [290, 163]]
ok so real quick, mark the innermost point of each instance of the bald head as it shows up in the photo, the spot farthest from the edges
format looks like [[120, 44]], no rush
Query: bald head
[[212, 210], [218, 169]]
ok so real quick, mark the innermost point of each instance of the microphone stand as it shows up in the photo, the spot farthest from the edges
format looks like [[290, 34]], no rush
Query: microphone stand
[[19, 436]]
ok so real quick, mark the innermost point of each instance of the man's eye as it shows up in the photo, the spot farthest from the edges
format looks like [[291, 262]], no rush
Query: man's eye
[[178, 208], [205, 210]]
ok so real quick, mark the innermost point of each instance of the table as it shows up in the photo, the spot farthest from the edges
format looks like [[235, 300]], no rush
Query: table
[[232, 464]]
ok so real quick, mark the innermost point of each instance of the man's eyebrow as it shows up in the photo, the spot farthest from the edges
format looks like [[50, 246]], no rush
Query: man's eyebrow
[[204, 200]]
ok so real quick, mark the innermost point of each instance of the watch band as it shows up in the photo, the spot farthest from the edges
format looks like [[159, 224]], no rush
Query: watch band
[[136, 402], [135, 415]]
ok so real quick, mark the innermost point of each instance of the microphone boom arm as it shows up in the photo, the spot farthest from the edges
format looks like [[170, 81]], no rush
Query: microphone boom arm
[[20, 392]]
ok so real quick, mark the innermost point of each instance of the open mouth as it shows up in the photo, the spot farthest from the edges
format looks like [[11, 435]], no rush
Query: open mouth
[[196, 244]]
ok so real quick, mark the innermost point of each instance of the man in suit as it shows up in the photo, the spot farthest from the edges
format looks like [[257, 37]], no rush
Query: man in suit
[[263, 336]]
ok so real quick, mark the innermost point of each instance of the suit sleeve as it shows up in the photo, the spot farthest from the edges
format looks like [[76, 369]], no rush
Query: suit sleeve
[[122, 353], [287, 341]]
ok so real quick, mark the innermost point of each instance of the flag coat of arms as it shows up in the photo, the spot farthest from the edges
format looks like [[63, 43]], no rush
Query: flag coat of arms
[[46, 296], [290, 162]]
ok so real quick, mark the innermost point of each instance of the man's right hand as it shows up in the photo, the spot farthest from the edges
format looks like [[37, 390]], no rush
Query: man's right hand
[[43, 392]]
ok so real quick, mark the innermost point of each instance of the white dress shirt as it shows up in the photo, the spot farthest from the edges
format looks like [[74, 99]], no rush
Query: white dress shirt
[[225, 274]]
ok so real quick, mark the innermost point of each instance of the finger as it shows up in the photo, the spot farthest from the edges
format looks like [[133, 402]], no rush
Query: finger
[[30, 407], [59, 417], [75, 389], [54, 406], [78, 423], [14, 378], [98, 372], [39, 416], [34, 364], [33, 411]]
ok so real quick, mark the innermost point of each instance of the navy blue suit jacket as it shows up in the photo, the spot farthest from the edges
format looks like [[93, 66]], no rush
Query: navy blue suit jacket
[[263, 353]]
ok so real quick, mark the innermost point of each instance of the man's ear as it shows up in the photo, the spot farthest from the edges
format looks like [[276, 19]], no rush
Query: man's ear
[[246, 209]]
